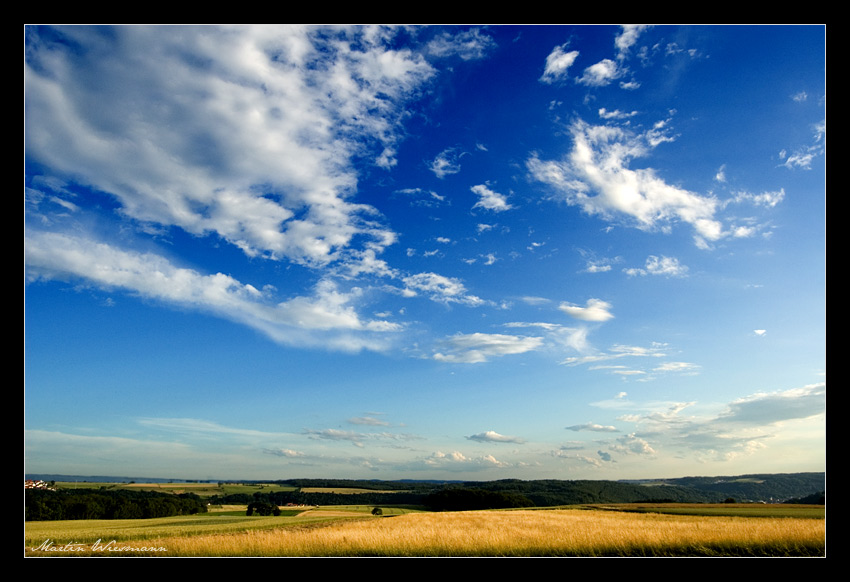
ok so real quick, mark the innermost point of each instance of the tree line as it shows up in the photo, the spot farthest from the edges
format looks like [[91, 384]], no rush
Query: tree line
[[323, 498], [46, 505]]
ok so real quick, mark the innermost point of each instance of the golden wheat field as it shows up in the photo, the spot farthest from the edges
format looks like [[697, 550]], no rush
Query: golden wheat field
[[499, 533]]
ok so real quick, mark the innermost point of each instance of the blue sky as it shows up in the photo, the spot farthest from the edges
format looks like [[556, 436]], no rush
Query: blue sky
[[462, 252]]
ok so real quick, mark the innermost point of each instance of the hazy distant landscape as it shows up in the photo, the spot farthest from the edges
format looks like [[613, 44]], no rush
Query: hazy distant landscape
[[767, 488]]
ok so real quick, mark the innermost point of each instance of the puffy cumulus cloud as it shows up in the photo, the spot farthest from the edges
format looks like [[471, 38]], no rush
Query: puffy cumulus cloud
[[491, 436], [596, 176], [594, 310], [480, 347], [633, 444], [601, 73], [328, 317], [457, 461], [490, 200], [248, 133], [558, 63]]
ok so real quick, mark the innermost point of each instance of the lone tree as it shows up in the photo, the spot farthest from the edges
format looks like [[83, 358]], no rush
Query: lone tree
[[377, 511]]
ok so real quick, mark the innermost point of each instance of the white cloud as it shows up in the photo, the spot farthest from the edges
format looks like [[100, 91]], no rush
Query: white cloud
[[491, 436], [617, 352], [767, 199], [246, 132], [684, 367], [479, 347], [457, 461], [601, 74], [627, 38], [667, 266], [439, 288], [741, 428], [594, 310], [558, 63], [446, 163], [559, 336], [328, 317], [368, 420], [769, 408], [358, 439], [633, 444], [490, 200], [595, 176], [592, 427], [468, 45], [803, 157], [287, 453], [616, 114], [205, 428]]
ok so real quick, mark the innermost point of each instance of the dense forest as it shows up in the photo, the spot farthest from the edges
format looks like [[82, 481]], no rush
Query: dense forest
[[44, 504]]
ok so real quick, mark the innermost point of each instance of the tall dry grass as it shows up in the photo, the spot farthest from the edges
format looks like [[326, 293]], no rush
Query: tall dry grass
[[522, 533]]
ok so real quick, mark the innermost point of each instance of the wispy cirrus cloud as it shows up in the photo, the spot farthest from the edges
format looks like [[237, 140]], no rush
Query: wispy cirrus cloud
[[469, 45], [327, 317], [358, 439], [619, 351], [479, 347]]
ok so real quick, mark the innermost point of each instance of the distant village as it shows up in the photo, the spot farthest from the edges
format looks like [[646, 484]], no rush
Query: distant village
[[30, 484]]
